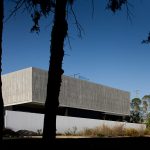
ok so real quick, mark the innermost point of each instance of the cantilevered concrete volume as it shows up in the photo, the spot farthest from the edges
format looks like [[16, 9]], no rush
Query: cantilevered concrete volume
[[26, 90]]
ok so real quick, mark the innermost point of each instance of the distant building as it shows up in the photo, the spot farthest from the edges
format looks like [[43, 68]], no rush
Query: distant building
[[25, 90]]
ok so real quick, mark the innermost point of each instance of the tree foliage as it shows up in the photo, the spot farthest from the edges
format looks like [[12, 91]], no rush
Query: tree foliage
[[147, 41], [146, 97], [135, 104], [40, 8], [136, 117], [145, 105], [147, 121], [116, 5]]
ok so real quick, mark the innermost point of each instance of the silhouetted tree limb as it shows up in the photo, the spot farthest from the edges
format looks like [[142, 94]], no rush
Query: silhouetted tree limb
[[37, 8], [115, 5], [147, 41], [18, 5], [92, 8], [69, 41], [1, 97], [79, 27], [40, 8], [129, 13]]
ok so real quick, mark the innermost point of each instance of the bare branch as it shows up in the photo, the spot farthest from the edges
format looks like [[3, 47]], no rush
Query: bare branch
[[79, 27], [18, 5], [92, 8], [115, 5], [129, 13], [69, 42], [27, 7]]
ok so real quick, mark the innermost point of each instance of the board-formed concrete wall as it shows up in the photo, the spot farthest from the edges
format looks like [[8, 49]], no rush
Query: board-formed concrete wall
[[30, 85], [17, 87], [83, 94]]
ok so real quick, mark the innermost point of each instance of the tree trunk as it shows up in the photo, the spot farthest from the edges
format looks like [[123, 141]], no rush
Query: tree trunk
[[58, 34], [1, 98]]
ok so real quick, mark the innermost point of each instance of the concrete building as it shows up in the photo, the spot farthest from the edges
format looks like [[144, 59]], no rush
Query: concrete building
[[25, 90]]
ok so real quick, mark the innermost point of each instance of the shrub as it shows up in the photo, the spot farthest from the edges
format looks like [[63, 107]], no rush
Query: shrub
[[72, 131], [9, 133], [147, 131], [131, 132], [104, 130]]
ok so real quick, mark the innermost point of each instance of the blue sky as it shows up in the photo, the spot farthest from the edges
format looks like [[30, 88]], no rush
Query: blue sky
[[110, 51]]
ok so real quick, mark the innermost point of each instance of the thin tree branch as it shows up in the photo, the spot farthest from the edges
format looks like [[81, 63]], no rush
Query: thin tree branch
[[129, 13], [27, 7], [92, 8], [18, 5], [69, 42], [79, 27]]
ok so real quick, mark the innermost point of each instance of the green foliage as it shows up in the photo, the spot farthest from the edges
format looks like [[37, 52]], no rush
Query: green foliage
[[135, 104], [146, 97], [145, 105], [139, 113], [136, 101], [136, 117], [146, 100], [147, 131], [147, 121]]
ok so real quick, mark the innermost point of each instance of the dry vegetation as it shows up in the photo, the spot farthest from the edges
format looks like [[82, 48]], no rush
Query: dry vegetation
[[102, 131], [105, 131]]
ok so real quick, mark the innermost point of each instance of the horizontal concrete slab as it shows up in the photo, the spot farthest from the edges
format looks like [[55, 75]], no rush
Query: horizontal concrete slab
[[29, 86]]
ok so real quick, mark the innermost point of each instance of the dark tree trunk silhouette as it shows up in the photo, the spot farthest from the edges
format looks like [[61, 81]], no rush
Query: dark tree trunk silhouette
[[1, 98], [58, 34]]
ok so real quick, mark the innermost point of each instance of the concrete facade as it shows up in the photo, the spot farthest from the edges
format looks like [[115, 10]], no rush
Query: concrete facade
[[17, 87], [29, 86]]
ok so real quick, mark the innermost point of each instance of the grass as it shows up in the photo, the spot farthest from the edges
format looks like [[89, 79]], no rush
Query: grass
[[85, 139], [105, 131], [100, 131]]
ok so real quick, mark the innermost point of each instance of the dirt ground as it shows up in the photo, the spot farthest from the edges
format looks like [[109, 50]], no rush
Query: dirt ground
[[79, 143]]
